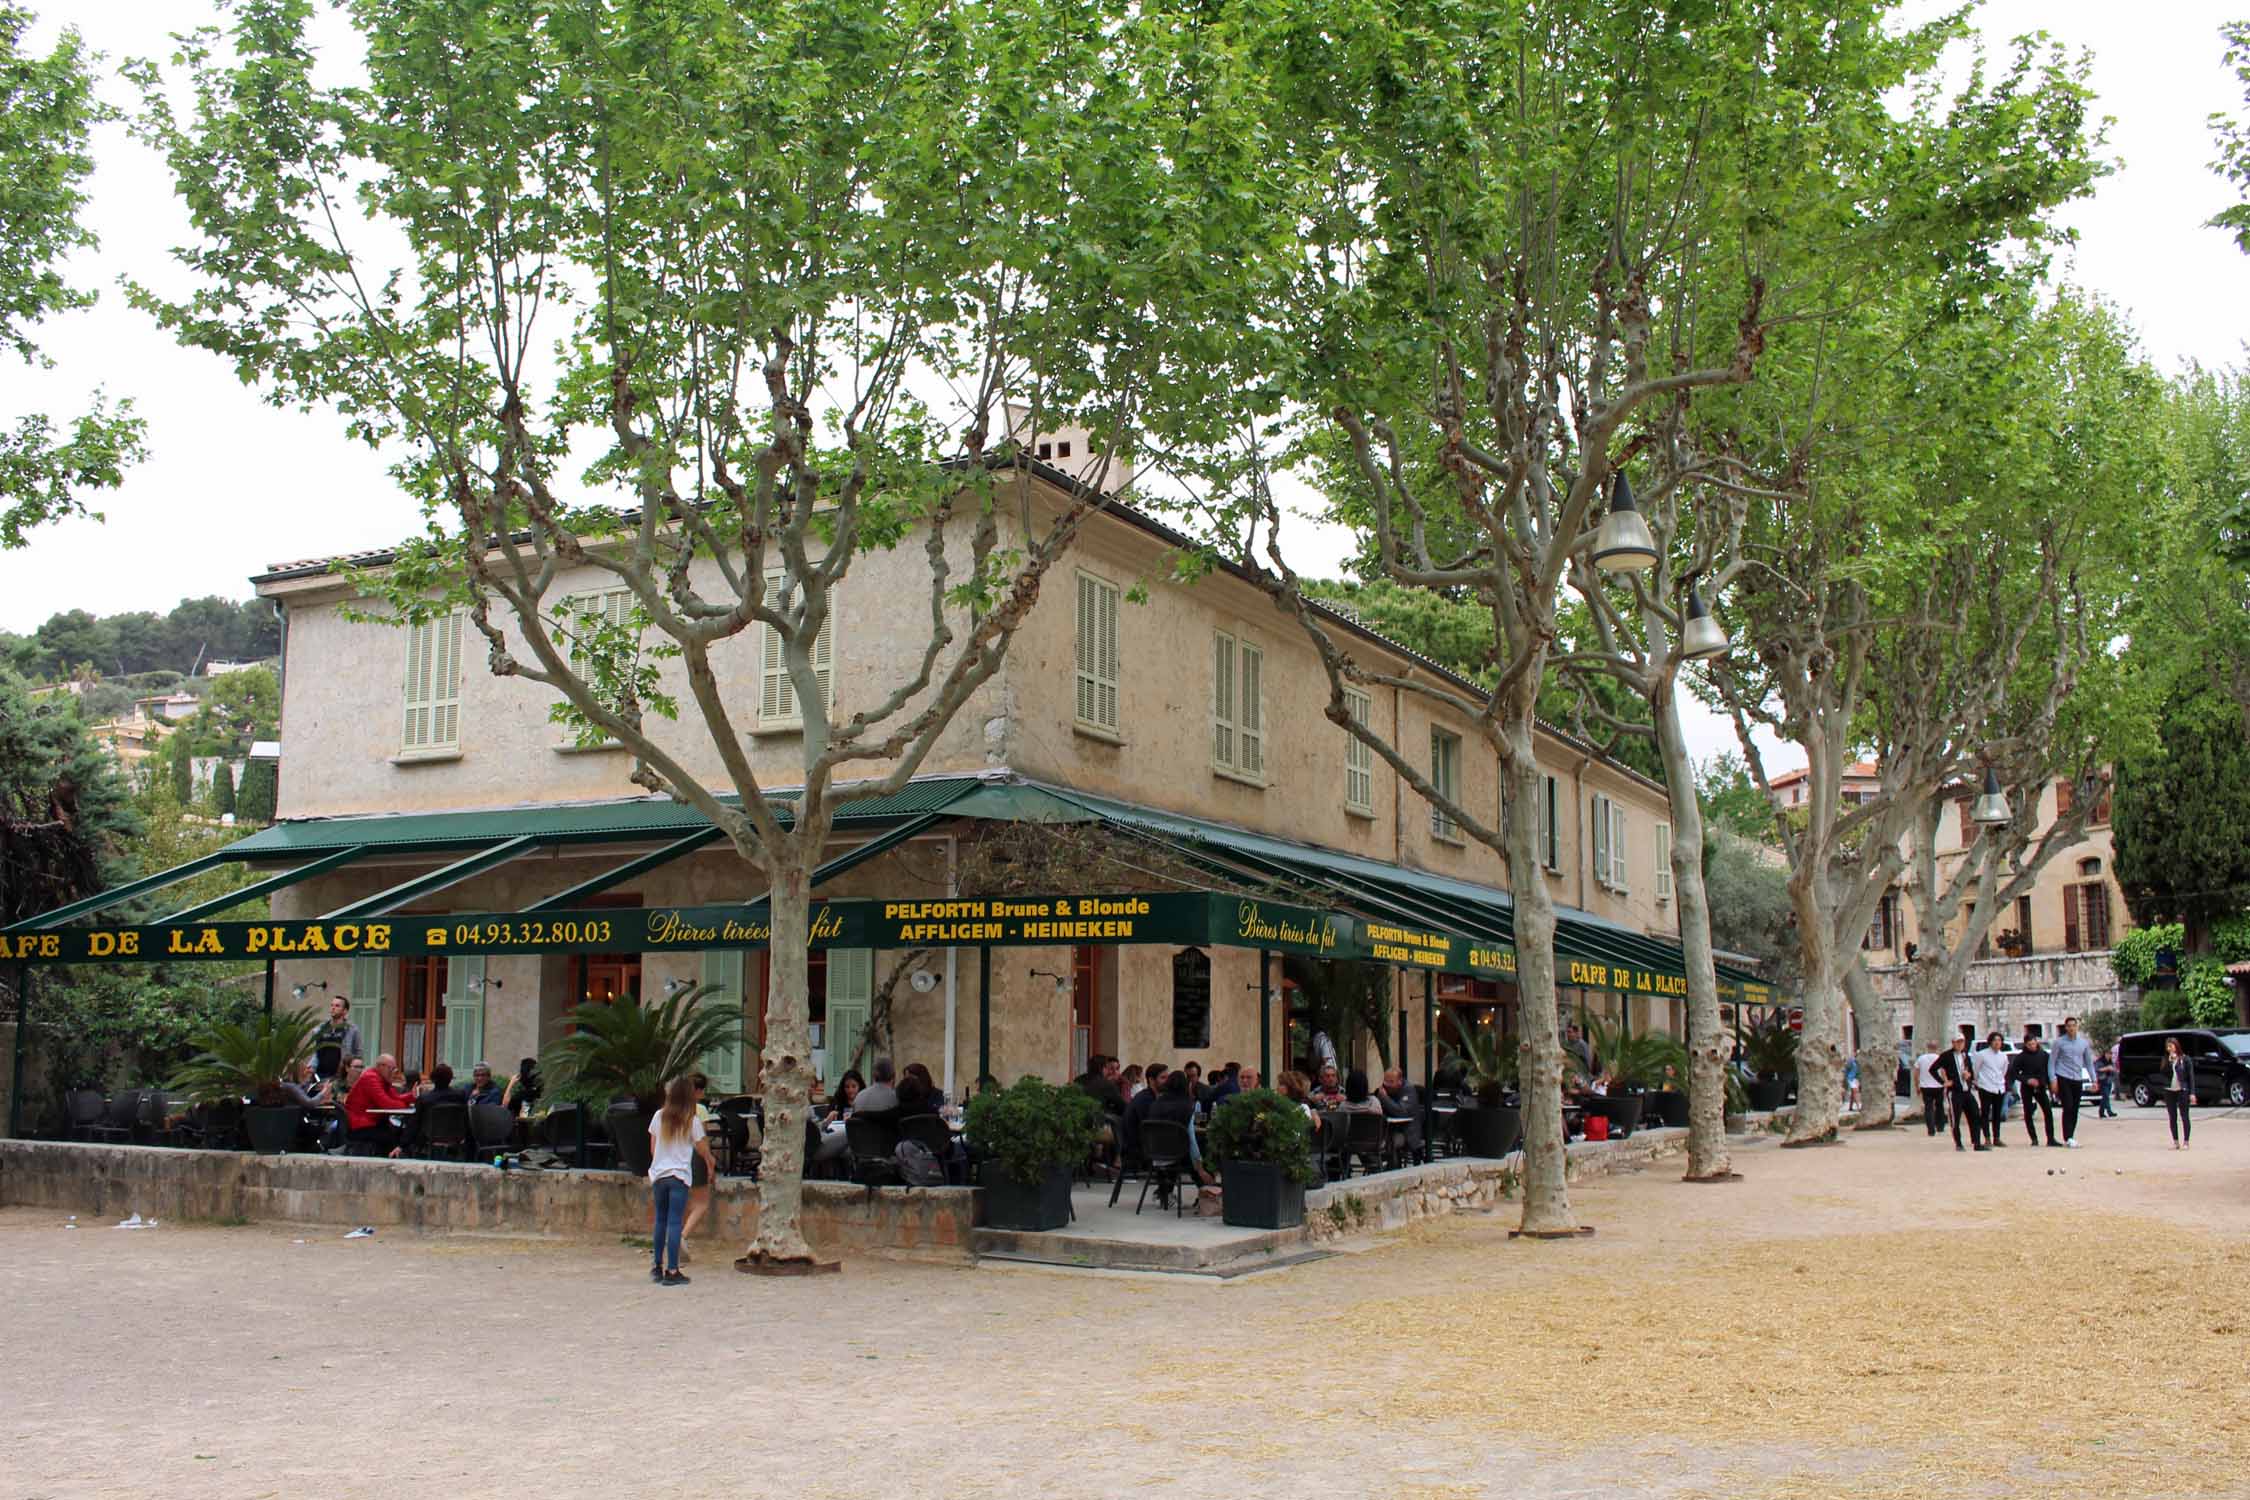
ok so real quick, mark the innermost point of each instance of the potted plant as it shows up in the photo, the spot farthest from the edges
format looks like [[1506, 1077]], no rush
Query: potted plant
[[1770, 1048], [1030, 1135], [1491, 1127], [1667, 1064], [1263, 1143], [248, 1060], [622, 1054], [1639, 1069]]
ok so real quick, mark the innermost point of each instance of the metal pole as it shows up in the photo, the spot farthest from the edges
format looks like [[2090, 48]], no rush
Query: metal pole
[[984, 1016], [1265, 1017], [269, 986], [1429, 1028], [1402, 1043], [23, 1025]]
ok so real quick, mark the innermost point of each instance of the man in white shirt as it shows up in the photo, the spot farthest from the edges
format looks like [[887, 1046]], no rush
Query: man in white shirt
[[1932, 1089], [1990, 1063]]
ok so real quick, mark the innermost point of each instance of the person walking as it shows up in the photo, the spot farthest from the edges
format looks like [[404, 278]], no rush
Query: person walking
[[1991, 1067], [2178, 1080], [2034, 1083], [1931, 1086], [2108, 1075], [2074, 1073], [675, 1144], [1956, 1072]]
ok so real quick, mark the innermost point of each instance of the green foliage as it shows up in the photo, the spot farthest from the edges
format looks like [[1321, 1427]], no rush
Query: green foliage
[[1262, 1125], [1032, 1125], [2132, 958], [179, 760], [1770, 1047], [48, 110], [137, 643], [100, 1027], [254, 803], [1343, 998], [2230, 938], [2234, 138], [627, 1049], [240, 708], [1489, 1065], [2103, 1027], [1638, 1062], [1731, 799], [2162, 1010], [2210, 999], [1748, 894], [67, 822], [2181, 813], [222, 789], [247, 1059]]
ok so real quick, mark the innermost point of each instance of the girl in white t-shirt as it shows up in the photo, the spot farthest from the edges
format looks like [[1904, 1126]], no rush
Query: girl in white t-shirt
[[675, 1144]]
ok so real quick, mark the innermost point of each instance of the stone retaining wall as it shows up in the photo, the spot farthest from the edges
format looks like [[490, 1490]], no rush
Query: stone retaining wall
[[158, 1182], [1392, 1200]]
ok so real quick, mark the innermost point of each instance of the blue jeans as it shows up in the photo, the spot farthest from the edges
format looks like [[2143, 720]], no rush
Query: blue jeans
[[671, 1215]]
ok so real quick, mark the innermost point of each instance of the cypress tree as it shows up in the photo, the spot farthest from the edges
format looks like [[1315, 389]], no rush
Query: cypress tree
[[183, 771], [2181, 815], [222, 789], [254, 803]]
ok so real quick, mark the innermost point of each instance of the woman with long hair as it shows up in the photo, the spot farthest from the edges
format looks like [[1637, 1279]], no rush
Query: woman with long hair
[[699, 1183], [2178, 1082], [675, 1145]]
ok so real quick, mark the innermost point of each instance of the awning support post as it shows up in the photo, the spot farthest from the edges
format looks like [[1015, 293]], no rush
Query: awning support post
[[23, 1025], [984, 1016], [1429, 1027], [269, 986], [1265, 1017], [1402, 1042]]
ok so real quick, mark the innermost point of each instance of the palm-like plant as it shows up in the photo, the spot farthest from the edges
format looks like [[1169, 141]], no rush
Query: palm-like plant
[[1488, 1064], [247, 1059], [1637, 1062], [1770, 1047], [631, 1048]]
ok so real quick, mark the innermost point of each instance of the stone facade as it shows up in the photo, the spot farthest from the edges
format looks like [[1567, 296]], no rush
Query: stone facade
[[2008, 994], [342, 740]]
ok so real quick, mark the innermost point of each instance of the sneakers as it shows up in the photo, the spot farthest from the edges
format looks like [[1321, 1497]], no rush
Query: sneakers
[[674, 1278], [2072, 1143], [656, 1274]]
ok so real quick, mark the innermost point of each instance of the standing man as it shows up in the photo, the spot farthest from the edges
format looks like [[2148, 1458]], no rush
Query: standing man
[[1931, 1086], [1956, 1072], [1574, 1043], [2030, 1071], [336, 1040], [2074, 1074], [1990, 1063]]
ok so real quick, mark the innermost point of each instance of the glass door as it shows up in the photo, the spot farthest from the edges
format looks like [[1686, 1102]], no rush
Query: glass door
[[420, 1042]]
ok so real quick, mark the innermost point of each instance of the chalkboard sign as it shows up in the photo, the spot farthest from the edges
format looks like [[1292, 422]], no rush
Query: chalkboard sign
[[1191, 998]]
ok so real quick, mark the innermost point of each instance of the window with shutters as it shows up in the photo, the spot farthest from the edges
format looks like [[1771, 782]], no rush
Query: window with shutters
[[1238, 709], [2086, 925], [1882, 932], [2024, 944], [1550, 833], [1663, 862], [2065, 798], [1359, 759], [1445, 779], [777, 693], [1609, 843], [581, 621], [1097, 654], [433, 688]]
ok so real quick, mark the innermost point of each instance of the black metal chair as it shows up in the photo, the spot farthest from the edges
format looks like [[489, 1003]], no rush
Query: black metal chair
[[1367, 1137], [933, 1132], [873, 1148], [85, 1115], [492, 1128], [744, 1145], [153, 1124], [559, 1133], [442, 1130], [1164, 1148], [1335, 1136]]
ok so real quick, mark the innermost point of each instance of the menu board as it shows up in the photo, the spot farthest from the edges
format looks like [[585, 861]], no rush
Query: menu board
[[1191, 998]]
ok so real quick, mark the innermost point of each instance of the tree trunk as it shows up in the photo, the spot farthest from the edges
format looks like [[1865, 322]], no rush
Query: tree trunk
[[1539, 1059], [1878, 1051], [787, 1082], [1933, 979], [1709, 1046], [1820, 1055]]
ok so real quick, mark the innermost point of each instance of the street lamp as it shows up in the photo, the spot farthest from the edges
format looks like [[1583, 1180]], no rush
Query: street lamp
[[1991, 809], [1623, 545], [1701, 638]]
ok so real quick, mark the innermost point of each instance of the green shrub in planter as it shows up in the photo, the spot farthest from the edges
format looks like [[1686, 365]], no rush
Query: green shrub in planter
[[1263, 1143], [249, 1060], [1032, 1126]]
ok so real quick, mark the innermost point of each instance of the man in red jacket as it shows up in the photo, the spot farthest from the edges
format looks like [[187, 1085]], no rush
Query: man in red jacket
[[372, 1134]]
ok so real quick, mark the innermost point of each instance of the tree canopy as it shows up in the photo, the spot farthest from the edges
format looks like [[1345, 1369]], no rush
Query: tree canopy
[[2181, 815]]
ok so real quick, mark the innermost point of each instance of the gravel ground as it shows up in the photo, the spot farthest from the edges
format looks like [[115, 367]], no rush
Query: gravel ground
[[2067, 1322]]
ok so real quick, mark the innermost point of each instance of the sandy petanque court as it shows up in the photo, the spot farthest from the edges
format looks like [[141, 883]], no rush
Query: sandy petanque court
[[1883, 1318]]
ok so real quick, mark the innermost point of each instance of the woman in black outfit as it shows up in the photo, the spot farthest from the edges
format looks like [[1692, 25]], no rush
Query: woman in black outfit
[[2179, 1091]]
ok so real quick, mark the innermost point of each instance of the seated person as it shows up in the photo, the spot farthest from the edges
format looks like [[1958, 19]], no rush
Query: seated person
[[1402, 1102], [879, 1100], [1329, 1091], [916, 1097], [373, 1090], [1175, 1102], [1141, 1103], [1100, 1083], [830, 1142], [1293, 1087], [524, 1089], [1129, 1082], [930, 1087], [1358, 1098], [308, 1088], [1194, 1072], [440, 1091], [1226, 1083], [482, 1090]]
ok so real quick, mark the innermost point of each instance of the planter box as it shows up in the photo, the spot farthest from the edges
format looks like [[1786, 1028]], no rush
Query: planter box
[[1489, 1131], [1669, 1106], [272, 1128], [1259, 1195], [1009, 1204], [1768, 1094], [1623, 1111]]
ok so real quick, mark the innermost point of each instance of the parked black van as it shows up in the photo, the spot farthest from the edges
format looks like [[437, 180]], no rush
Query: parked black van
[[2222, 1065]]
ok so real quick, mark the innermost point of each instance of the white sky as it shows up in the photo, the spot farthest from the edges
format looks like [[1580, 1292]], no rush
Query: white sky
[[233, 485]]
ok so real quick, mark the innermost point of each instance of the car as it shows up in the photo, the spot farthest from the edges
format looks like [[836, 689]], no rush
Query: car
[[2222, 1064]]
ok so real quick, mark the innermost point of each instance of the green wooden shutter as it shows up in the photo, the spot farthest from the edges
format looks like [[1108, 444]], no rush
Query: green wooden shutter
[[463, 1042], [851, 990], [368, 1004], [723, 969]]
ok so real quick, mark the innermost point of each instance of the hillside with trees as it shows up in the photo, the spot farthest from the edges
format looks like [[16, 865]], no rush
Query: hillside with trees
[[192, 632]]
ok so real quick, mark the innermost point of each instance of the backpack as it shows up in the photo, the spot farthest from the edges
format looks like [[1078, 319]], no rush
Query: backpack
[[918, 1165]]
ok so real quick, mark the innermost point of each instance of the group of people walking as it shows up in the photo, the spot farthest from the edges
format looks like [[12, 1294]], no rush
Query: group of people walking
[[1970, 1085]]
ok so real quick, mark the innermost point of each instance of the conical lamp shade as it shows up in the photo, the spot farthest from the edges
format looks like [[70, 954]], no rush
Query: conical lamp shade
[[1991, 810], [1623, 545], [1701, 638]]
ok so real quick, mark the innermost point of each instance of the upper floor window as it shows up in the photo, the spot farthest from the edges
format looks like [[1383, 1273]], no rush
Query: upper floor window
[[1359, 759], [1663, 862], [1238, 709], [588, 623], [1882, 933], [1550, 834], [1097, 653], [1445, 779], [433, 686], [777, 692], [1609, 843]]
